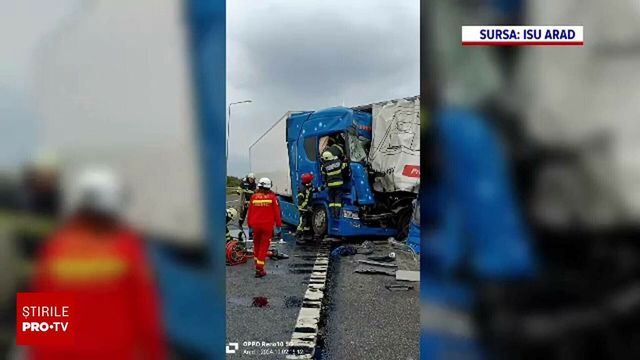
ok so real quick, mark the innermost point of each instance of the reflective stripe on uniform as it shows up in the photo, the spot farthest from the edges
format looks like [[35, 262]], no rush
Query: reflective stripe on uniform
[[83, 269], [335, 205], [335, 183], [259, 262], [303, 200], [256, 202]]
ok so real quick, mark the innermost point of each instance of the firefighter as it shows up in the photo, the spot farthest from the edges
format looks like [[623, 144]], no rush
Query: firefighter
[[336, 146], [96, 257], [232, 214], [264, 216], [234, 248], [304, 203], [247, 188], [41, 182], [333, 169]]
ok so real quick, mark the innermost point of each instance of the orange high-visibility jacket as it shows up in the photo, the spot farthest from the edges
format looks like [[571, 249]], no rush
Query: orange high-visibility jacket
[[264, 210], [117, 315]]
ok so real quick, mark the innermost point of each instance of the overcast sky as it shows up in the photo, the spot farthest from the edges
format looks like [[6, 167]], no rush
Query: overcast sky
[[282, 54], [307, 55]]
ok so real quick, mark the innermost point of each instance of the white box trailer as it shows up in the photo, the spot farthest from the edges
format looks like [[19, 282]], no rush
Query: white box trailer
[[585, 99], [395, 147], [110, 94], [269, 157]]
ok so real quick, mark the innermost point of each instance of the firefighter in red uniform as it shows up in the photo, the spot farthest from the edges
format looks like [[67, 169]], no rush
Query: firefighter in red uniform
[[264, 215], [102, 263], [305, 195]]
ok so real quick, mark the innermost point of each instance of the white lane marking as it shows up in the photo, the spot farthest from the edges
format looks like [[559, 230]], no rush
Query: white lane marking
[[305, 335]]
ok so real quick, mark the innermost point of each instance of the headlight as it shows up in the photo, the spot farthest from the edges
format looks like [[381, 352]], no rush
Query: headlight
[[348, 214]]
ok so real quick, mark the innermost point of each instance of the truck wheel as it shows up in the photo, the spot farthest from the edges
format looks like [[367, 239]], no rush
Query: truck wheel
[[319, 221], [403, 221]]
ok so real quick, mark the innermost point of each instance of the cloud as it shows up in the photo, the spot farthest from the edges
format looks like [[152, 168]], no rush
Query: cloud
[[290, 55]]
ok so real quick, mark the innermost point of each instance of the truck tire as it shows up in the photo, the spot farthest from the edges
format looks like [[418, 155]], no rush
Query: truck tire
[[319, 221], [403, 221]]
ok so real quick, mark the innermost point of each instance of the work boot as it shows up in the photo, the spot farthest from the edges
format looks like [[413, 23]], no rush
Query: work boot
[[260, 273]]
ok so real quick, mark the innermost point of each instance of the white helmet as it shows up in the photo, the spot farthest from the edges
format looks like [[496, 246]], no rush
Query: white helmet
[[99, 190], [251, 176], [264, 183], [327, 155], [232, 214]]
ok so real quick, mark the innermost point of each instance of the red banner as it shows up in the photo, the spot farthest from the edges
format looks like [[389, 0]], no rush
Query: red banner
[[44, 318], [411, 171]]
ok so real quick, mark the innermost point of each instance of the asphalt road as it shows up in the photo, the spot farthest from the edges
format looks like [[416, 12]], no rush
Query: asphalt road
[[361, 319], [365, 320], [266, 309]]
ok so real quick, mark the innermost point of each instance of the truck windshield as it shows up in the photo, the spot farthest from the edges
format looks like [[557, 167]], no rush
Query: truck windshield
[[358, 146]]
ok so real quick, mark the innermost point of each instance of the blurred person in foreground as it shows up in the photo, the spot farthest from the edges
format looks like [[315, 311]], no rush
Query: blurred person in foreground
[[99, 259], [264, 216], [40, 194]]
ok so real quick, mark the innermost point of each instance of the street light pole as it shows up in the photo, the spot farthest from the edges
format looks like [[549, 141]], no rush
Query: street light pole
[[229, 120]]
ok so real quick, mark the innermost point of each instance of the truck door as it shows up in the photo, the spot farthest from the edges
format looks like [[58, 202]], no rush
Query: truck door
[[307, 160]]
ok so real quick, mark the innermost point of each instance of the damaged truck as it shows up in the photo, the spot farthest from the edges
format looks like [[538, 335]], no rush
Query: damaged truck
[[381, 144]]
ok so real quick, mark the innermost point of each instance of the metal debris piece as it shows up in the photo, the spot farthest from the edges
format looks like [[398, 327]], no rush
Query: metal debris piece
[[407, 275], [274, 254], [387, 258], [366, 248], [376, 263], [365, 269], [398, 287]]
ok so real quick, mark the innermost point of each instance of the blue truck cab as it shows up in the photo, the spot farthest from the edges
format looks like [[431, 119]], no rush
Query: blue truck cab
[[364, 213]]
